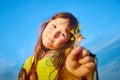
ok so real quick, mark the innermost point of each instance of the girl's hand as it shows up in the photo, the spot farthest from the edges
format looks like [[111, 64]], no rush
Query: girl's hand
[[79, 62]]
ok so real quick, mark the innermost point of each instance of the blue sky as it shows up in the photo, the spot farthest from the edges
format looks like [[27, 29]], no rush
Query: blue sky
[[19, 31]]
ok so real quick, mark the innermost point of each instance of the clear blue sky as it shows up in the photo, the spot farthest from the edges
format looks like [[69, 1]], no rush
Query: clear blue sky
[[19, 30]]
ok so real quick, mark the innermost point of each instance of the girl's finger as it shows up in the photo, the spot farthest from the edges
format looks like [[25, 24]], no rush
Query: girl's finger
[[75, 52], [90, 65], [86, 59]]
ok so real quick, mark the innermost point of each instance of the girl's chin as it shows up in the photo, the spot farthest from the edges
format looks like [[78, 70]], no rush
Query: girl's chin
[[48, 47]]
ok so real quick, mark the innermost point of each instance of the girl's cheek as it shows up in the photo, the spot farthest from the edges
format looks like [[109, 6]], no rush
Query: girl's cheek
[[62, 41], [48, 28]]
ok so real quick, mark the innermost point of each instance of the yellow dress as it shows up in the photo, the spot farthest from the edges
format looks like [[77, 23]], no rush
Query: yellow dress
[[43, 69], [46, 71]]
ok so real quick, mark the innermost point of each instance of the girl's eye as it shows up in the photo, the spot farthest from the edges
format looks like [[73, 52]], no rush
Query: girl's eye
[[63, 34], [53, 26]]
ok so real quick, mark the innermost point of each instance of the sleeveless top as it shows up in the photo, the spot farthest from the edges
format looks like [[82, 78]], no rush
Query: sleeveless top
[[45, 69]]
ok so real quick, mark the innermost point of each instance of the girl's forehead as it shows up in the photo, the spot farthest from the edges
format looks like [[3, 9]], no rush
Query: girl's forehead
[[61, 22]]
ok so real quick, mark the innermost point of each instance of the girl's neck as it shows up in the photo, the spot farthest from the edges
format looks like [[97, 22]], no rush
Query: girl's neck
[[48, 54]]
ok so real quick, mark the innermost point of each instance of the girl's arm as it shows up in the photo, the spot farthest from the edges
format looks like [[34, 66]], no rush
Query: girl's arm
[[22, 74]]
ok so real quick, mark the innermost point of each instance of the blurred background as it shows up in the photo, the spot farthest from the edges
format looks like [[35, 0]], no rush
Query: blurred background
[[20, 25]]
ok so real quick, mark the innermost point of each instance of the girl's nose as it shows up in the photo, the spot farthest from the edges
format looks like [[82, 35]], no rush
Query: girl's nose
[[55, 34]]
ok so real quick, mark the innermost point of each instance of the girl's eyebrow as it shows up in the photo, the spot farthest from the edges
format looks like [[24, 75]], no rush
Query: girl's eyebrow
[[63, 22]]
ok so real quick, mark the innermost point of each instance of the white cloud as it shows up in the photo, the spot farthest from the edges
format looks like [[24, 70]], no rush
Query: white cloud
[[111, 70], [22, 51], [105, 43], [6, 64], [8, 69]]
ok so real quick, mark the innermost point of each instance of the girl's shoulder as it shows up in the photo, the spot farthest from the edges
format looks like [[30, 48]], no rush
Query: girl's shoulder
[[28, 63]]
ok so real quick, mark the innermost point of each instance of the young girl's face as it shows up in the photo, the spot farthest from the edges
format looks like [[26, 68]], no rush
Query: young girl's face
[[56, 33]]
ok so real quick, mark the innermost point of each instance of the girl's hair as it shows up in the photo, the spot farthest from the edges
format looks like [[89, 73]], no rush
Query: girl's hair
[[60, 55]]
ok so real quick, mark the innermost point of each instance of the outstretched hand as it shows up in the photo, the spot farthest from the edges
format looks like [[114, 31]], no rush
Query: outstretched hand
[[79, 62]]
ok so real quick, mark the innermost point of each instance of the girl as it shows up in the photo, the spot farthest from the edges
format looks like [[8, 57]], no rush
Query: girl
[[56, 56]]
